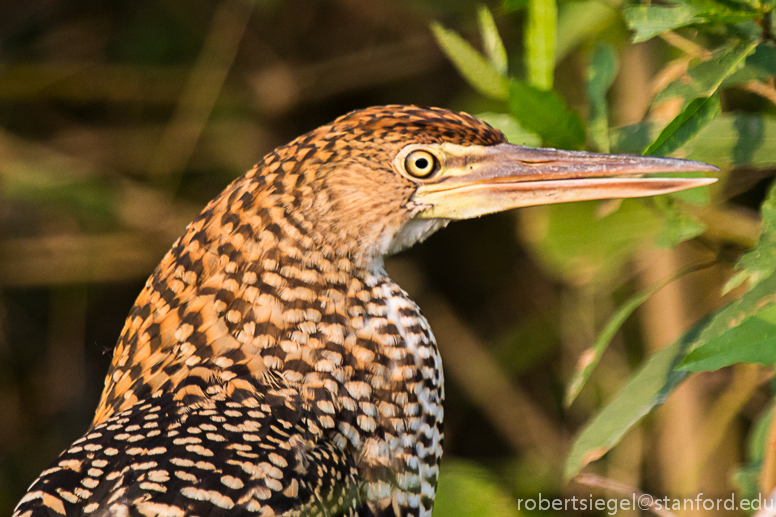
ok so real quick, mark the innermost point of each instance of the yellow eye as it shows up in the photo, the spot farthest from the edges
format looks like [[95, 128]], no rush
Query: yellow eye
[[421, 164]]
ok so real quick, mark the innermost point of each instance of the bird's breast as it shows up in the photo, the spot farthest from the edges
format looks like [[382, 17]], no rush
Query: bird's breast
[[349, 342]]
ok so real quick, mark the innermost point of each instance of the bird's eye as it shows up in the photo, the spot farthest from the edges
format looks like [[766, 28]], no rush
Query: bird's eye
[[421, 164]]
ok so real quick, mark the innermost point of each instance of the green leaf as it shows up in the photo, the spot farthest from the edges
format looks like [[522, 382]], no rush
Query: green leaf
[[749, 30], [725, 11], [591, 356], [494, 47], [540, 40], [467, 489], [580, 21], [754, 312], [730, 139], [477, 70], [545, 113], [514, 132], [758, 299], [645, 390], [758, 66], [751, 341], [600, 76], [760, 263], [736, 139], [685, 125], [650, 20], [705, 78]]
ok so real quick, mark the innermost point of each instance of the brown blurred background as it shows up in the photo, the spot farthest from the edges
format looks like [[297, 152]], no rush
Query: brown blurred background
[[120, 120]]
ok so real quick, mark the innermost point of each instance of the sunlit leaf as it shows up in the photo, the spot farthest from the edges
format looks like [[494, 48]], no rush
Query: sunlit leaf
[[725, 11], [491, 41], [757, 4], [759, 65], [705, 78], [600, 76], [475, 68], [751, 341], [467, 489], [540, 40], [741, 329], [760, 263], [514, 132], [650, 20], [645, 390], [545, 113], [685, 125]]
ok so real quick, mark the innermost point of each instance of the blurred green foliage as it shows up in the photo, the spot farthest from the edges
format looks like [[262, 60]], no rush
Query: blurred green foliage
[[728, 45]]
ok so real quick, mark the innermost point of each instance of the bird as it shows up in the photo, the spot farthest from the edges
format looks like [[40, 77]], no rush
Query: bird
[[269, 365]]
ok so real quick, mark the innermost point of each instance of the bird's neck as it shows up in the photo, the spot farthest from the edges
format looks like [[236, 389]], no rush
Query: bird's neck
[[251, 287]]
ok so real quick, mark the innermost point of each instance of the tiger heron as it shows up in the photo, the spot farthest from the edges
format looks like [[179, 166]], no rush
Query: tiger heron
[[269, 365]]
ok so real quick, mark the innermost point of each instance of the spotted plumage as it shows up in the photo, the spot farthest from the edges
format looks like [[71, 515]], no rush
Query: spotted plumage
[[270, 366]]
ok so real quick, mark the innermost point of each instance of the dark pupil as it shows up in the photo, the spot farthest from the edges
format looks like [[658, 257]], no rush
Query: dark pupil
[[421, 163]]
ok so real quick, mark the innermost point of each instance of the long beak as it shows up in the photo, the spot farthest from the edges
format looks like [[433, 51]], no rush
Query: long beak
[[506, 176]]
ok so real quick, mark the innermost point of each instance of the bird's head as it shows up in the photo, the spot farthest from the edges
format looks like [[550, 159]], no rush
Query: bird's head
[[386, 177]]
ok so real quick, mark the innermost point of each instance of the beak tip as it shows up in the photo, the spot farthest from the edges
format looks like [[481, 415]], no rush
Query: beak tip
[[701, 182], [702, 167], [683, 165]]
